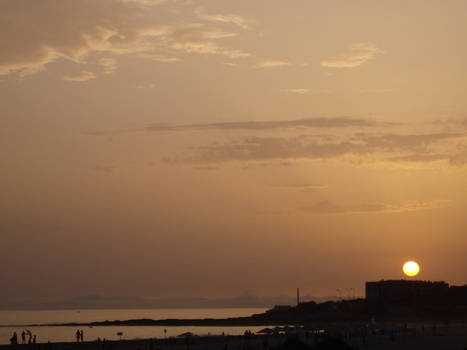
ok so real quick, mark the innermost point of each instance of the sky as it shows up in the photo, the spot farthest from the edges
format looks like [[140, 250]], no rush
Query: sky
[[212, 148]]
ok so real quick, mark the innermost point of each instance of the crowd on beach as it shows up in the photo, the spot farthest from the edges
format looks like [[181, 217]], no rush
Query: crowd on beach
[[32, 339]]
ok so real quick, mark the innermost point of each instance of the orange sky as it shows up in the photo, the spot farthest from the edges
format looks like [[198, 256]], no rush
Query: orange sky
[[207, 148]]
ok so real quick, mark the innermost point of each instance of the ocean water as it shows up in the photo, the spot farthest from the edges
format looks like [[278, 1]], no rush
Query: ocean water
[[14, 321]]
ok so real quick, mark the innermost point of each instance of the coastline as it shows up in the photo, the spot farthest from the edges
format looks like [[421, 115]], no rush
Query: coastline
[[446, 338]]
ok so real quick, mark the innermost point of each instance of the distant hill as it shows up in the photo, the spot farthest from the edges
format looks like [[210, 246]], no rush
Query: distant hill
[[123, 302]]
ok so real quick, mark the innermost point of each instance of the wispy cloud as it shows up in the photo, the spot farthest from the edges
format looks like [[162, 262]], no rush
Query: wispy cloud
[[224, 18], [159, 58], [272, 64], [207, 47], [80, 77], [69, 36], [217, 34], [326, 207], [196, 38], [106, 27], [358, 54], [109, 64], [301, 186], [454, 157], [336, 122], [146, 86], [296, 91], [319, 147], [452, 123]]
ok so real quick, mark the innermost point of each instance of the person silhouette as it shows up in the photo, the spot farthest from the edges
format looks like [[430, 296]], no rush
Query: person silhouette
[[14, 339], [78, 335], [23, 337], [34, 339], [82, 335]]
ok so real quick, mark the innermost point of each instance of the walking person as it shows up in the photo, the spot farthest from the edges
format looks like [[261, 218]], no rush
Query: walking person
[[14, 339], [23, 337]]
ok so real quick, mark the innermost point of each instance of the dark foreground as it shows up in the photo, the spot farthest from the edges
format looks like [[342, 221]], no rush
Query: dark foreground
[[445, 338]]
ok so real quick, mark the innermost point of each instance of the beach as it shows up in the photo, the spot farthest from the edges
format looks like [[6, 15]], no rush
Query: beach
[[445, 338], [18, 320]]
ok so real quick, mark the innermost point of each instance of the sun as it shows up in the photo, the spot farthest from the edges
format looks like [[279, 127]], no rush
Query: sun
[[411, 268]]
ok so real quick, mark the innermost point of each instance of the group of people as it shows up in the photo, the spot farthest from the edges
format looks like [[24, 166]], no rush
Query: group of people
[[31, 338], [79, 335]]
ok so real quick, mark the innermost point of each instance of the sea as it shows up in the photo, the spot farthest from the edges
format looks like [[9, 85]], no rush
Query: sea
[[16, 321]]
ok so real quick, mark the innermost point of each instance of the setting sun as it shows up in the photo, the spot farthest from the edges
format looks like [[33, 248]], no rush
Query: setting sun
[[411, 268]]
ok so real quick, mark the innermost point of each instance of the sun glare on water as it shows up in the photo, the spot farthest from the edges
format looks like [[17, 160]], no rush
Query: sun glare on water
[[411, 268]]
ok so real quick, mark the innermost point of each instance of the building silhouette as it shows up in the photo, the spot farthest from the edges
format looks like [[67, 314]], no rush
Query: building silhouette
[[405, 291]]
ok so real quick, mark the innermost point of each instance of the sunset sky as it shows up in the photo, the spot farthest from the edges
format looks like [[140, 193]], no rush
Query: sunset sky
[[181, 148]]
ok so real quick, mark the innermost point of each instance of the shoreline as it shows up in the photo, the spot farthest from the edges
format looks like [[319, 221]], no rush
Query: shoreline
[[228, 322], [452, 337]]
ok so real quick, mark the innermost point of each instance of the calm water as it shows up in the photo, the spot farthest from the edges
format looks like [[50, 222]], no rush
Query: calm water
[[55, 334]]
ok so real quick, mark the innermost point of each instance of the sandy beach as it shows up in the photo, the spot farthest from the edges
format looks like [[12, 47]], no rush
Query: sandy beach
[[445, 338]]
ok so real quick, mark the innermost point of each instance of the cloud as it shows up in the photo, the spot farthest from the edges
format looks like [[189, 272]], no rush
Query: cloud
[[47, 30], [297, 91], [452, 123], [225, 18], [80, 77], [109, 64], [35, 34], [318, 147], [458, 158], [146, 86], [416, 158], [272, 64], [219, 34], [196, 38], [302, 186], [414, 142], [326, 207], [357, 140], [357, 55], [336, 122], [207, 47], [159, 58]]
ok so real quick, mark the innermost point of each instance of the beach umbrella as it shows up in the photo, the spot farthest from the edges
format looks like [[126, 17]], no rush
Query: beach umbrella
[[265, 331], [185, 335]]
